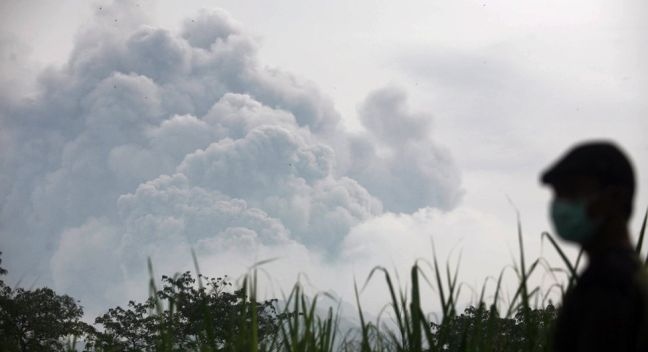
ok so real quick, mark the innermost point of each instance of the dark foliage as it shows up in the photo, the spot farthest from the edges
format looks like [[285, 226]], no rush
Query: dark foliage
[[482, 329], [37, 320], [185, 316]]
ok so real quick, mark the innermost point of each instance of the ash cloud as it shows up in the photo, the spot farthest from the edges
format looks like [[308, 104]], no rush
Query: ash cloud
[[148, 143], [412, 172]]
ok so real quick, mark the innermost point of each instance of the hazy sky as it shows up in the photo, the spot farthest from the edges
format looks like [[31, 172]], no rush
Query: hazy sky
[[333, 135]]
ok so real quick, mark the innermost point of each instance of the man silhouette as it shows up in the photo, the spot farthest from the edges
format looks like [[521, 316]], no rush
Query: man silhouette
[[607, 309]]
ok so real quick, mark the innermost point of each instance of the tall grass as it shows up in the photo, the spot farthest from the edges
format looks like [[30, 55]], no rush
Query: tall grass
[[302, 329]]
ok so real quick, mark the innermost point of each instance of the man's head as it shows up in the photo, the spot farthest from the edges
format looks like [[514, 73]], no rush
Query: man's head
[[593, 185]]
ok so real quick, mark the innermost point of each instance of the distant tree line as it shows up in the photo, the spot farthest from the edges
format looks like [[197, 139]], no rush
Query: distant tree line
[[208, 314], [37, 320], [180, 316], [483, 329]]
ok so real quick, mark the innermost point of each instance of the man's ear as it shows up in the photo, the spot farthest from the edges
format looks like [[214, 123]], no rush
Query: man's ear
[[601, 205], [611, 202], [621, 197]]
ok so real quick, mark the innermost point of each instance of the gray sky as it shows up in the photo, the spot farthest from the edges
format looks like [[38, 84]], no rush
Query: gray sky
[[381, 108]]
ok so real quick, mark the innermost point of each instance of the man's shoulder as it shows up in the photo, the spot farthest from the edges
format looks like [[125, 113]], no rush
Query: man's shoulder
[[609, 305], [617, 270], [616, 281]]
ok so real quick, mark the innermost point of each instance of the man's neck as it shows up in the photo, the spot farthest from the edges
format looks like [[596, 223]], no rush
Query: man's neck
[[613, 235]]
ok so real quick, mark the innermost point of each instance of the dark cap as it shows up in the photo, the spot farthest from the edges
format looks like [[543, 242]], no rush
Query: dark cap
[[601, 160]]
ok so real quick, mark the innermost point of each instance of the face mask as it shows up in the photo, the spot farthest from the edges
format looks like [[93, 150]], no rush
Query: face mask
[[571, 221]]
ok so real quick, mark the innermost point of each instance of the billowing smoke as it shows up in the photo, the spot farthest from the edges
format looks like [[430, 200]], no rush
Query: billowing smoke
[[147, 143]]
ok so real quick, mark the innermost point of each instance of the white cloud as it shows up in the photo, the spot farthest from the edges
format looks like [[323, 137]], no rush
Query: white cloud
[[85, 264], [148, 143], [400, 162], [89, 162]]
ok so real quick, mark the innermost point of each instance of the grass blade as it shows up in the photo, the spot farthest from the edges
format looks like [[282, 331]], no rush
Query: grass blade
[[642, 232]]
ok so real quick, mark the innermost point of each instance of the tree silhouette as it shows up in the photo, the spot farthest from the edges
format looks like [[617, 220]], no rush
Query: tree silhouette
[[482, 329], [37, 320], [184, 316]]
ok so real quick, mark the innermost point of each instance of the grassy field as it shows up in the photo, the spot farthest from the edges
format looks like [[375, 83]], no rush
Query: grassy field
[[523, 322]]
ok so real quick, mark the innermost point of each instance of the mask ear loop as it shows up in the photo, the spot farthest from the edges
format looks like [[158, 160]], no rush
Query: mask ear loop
[[598, 222], [601, 195]]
